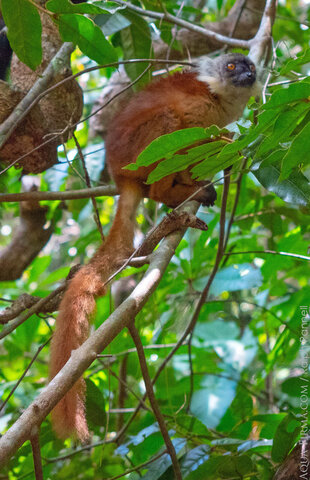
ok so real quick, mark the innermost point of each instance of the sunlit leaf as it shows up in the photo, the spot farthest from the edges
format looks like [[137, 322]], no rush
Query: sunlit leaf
[[88, 36], [24, 30]]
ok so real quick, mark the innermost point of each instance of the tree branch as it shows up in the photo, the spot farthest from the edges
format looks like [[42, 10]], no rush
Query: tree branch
[[37, 307], [37, 460], [259, 45], [34, 94], [104, 191], [167, 17], [150, 393], [270, 252], [296, 465]]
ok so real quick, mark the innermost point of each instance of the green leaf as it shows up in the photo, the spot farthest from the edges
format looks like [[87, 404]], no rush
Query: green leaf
[[274, 158], [240, 409], [195, 457], [213, 164], [158, 467], [180, 162], [24, 30], [283, 127], [143, 434], [292, 386], [244, 465], [111, 24], [285, 438], [167, 145], [265, 120], [255, 446], [235, 467], [236, 277], [65, 6], [299, 152], [95, 403], [301, 59], [191, 423], [88, 36], [207, 470], [136, 42], [284, 343], [295, 189], [294, 92], [207, 403], [166, 34]]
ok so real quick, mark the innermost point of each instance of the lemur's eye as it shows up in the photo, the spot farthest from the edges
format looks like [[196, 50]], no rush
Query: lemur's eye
[[231, 66], [252, 68]]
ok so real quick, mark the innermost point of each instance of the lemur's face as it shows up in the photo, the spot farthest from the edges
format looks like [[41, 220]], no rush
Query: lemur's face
[[237, 69]]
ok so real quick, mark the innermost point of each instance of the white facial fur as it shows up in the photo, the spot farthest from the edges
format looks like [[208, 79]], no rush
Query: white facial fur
[[232, 98]]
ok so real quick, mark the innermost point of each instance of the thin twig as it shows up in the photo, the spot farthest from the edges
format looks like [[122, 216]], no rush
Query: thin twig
[[219, 255], [237, 196], [34, 309], [37, 460], [150, 393], [174, 31], [24, 374], [122, 390], [201, 302], [88, 183], [146, 347], [125, 384], [274, 59], [138, 467], [270, 252], [191, 373], [286, 82]]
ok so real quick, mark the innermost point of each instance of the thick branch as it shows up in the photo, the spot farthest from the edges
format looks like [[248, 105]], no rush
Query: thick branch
[[86, 354], [260, 43], [296, 465]]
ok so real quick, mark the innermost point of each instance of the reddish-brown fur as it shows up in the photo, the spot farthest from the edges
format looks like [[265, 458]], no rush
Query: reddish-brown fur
[[169, 104]]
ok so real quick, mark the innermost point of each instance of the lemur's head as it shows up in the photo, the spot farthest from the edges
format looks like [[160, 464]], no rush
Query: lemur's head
[[227, 71]]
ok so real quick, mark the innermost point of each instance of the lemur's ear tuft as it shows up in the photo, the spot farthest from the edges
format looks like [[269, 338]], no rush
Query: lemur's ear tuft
[[206, 65]]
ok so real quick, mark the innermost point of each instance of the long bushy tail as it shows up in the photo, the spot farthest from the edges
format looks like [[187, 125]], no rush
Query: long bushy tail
[[78, 304]]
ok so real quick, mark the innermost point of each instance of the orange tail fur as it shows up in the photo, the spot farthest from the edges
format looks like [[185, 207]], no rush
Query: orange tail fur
[[78, 304]]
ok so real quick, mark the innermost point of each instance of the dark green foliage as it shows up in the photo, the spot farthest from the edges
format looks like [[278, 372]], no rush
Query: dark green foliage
[[232, 401], [24, 30]]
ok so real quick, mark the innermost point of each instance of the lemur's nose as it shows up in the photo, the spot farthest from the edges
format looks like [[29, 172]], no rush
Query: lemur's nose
[[249, 74]]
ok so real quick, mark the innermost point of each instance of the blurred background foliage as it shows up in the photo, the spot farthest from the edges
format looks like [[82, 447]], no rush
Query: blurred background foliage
[[233, 400]]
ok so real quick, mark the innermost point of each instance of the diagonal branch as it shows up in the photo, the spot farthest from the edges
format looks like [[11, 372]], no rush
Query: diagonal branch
[[56, 64]]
